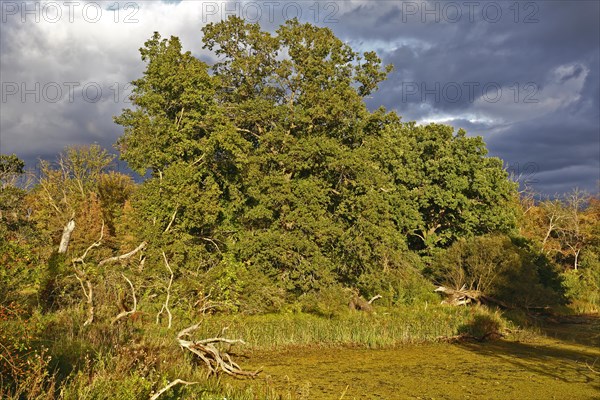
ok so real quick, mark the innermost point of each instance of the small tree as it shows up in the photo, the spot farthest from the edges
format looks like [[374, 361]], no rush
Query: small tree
[[572, 227]]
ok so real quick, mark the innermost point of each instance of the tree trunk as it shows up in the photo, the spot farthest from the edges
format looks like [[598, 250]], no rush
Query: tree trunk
[[66, 236]]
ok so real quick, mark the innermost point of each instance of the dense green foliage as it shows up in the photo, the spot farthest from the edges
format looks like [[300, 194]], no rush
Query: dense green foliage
[[273, 167], [270, 188]]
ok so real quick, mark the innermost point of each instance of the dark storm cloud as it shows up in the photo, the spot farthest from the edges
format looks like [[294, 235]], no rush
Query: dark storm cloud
[[563, 148], [89, 63], [546, 71]]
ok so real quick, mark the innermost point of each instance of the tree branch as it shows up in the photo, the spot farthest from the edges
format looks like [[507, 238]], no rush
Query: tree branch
[[133, 310], [165, 306], [172, 219], [81, 276], [92, 246], [170, 385], [377, 297], [124, 256], [213, 242], [89, 295]]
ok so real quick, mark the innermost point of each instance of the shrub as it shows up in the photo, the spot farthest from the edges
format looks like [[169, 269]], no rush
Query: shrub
[[243, 289], [482, 325], [328, 302], [397, 287], [582, 286], [24, 369]]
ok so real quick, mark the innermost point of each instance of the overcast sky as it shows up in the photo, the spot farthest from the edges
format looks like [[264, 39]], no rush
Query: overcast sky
[[524, 75]]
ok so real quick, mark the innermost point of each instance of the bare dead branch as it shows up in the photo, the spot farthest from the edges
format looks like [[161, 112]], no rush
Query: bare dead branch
[[89, 295], [463, 296], [198, 160], [206, 305], [142, 262], [216, 360], [376, 297], [178, 120], [248, 131], [591, 367], [98, 243], [172, 219], [187, 331], [82, 276], [165, 306], [124, 256], [213, 242], [125, 313], [170, 385], [50, 199]]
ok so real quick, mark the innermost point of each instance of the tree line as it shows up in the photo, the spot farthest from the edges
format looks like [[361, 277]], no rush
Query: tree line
[[271, 186]]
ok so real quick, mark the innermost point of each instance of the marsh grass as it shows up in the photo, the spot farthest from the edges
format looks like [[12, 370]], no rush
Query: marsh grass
[[131, 360], [386, 328]]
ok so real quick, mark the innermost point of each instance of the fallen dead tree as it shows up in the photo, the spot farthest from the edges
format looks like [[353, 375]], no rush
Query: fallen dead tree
[[463, 296], [214, 358]]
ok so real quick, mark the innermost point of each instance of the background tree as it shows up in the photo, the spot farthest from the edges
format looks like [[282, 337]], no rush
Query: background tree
[[505, 269], [79, 192], [457, 189], [573, 229]]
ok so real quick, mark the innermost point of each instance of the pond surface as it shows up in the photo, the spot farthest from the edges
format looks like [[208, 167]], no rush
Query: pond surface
[[564, 363]]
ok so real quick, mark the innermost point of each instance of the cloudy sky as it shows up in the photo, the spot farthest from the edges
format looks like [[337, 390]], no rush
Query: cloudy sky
[[523, 74]]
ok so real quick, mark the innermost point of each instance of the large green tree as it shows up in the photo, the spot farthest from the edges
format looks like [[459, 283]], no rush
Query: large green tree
[[269, 162]]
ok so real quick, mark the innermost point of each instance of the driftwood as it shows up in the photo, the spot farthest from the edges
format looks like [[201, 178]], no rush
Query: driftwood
[[463, 296], [215, 359]]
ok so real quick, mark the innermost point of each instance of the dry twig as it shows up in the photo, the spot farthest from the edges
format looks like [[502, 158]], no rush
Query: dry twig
[[170, 385]]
